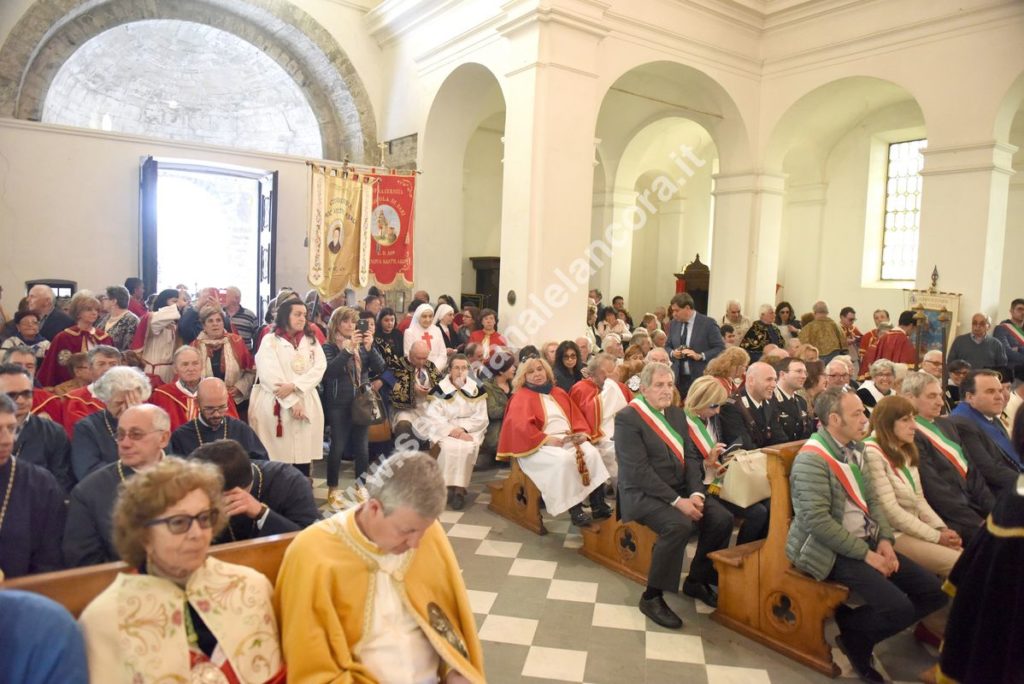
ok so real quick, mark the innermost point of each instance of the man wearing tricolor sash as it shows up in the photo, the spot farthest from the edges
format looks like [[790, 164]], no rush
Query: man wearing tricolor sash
[[840, 532], [952, 487], [660, 486], [1011, 333]]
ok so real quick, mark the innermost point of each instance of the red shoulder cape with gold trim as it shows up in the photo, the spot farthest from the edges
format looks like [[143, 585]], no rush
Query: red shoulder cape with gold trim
[[70, 340], [586, 395], [48, 404], [522, 429], [179, 406], [77, 405]]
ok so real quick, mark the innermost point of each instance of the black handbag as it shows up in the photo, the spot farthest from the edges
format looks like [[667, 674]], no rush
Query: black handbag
[[367, 406]]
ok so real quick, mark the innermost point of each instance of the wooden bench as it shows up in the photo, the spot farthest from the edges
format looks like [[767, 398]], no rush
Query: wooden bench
[[625, 548], [75, 589], [762, 596], [517, 499]]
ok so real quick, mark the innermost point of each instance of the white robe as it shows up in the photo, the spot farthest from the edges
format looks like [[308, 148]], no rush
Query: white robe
[[553, 469], [161, 338], [278, 362], [438, 353], [466, 409], [612, 401]]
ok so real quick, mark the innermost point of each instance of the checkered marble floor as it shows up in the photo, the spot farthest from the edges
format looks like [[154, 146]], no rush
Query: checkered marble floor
[[547, 614]]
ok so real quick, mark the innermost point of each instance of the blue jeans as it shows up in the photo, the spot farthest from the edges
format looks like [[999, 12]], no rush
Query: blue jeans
[[346, 438]]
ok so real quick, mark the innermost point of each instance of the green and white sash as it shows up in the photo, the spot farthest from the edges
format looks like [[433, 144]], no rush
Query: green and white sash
[[700, 435], [656, 421], [848, 474], [943, 444], [1015, 332], [902, 472]]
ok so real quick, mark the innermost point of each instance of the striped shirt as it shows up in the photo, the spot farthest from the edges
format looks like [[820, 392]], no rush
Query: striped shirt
[[245, 324]]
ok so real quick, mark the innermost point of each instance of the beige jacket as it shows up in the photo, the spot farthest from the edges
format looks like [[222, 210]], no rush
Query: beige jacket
[[904, 504]]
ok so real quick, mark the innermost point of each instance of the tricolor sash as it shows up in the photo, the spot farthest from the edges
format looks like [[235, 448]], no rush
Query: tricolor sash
[[848, 474], [902, 472], [1015, 332], [943, 444], [700, 435], [656, 421]]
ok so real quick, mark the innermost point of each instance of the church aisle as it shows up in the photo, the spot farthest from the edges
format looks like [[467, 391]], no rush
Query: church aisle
[[547, 614]]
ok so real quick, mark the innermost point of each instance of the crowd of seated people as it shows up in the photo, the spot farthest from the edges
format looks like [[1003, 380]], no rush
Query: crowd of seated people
[[188, 378]]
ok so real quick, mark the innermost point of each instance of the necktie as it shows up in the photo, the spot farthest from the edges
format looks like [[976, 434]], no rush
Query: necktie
[[422, 378], [682, 343]]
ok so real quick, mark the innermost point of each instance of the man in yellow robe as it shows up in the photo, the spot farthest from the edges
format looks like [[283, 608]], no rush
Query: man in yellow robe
[[374, 593]]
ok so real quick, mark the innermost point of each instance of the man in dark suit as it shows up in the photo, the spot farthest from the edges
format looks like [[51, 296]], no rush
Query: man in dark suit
[[986, 444], [260, 498], [954, 488], [794, 417], [41, 300], [752, 418], [693, 340], [661, 486]]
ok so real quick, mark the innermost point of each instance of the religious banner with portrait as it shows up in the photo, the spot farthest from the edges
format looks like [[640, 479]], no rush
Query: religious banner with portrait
[[941, 311], [391, 230], [339, 229]]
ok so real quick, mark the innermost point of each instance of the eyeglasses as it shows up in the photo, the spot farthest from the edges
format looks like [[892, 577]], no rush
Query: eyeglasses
[[24, 394], [180, 524], [838, 375], [133, 435], [714, 406], [223, 408]]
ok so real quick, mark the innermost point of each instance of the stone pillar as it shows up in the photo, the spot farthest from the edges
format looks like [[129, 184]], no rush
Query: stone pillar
[[800, 256], [675, 249], [963, 224], [552, 103], [623, 203], [748, 223]]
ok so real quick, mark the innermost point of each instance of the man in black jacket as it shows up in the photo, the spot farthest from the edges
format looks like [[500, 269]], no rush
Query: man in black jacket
[[52, 320], [752, 418], [986, 443], [954, 488], [661, 486], [795, 419], [693, 340], [39, 439], [261, 498]]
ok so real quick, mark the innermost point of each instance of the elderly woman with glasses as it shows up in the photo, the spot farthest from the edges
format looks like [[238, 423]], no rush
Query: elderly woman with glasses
[[702, 405], [882, 376], [179, 615], [224, 354]]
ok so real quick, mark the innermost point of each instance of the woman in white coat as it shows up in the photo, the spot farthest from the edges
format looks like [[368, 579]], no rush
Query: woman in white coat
[[285, 409], [422, 328]]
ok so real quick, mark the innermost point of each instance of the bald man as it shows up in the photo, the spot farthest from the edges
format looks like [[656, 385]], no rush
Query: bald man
[[213, 422], [977, 348], [42, 301], [414, 381], [751, 419], [143, 432]]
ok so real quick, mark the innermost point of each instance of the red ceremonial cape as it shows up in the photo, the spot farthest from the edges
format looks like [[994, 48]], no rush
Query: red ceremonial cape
[[179, 406], [77, 405], [139, 340], [68, 341], [522, 429], [896, 346], [587, 397], [243, 357], [49, 404], [496, 340]]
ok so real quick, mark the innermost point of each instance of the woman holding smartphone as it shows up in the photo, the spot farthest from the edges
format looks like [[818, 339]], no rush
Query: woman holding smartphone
[[351, 359]]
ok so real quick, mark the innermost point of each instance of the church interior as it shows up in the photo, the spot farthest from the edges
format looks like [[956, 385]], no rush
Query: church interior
[[845, 151]]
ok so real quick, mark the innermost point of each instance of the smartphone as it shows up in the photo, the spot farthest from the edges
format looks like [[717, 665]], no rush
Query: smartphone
[[363, 325]]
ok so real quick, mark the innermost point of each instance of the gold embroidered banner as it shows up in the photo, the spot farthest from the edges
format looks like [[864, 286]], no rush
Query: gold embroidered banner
[[339, 231]]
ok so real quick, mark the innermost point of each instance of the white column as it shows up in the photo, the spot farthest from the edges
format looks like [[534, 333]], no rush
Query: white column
[[748, 223], [548, 175], [623, 203], [675, 249], [800, 256], [963, 223]]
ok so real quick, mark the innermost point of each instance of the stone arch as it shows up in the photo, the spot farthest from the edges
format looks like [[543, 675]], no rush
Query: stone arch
[[51, 30], [1009, 108], [468, 98], [816, 120]]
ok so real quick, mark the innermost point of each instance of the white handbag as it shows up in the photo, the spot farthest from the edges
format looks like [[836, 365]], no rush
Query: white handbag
[[746, 479]]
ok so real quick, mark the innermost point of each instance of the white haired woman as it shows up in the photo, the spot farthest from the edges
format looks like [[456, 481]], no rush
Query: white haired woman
[[93, 440], [549, 435], [879, 385], [224, 354], [180, 615], [761, 333]]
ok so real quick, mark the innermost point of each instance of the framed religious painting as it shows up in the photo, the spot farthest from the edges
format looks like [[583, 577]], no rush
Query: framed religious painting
[[939, 328]]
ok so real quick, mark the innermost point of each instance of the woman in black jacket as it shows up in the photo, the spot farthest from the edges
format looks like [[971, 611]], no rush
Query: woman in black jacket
[[351, 360], [568, 367]]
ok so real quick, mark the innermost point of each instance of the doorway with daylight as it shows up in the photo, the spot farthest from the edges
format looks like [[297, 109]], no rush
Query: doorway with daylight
[[208, 225]]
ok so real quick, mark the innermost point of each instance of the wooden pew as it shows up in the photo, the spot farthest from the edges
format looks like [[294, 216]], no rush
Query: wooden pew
[[762, 596], [75, 588], [623, 547], [517, 499]]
